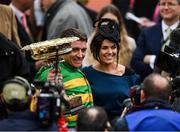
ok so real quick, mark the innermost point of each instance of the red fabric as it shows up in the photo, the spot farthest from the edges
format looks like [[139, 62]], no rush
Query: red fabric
[[62, 124], [131, 4], [156, 13]]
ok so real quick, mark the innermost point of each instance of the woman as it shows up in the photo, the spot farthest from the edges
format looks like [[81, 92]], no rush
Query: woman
[[110, 81], [127, 45]]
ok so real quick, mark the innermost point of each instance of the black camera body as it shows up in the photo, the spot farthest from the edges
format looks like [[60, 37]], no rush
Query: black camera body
[[169, 59], [135, 94], [48, 104], [176, 86], [52, 99]]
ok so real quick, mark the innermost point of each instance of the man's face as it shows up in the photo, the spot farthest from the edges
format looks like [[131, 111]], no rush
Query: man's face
[[169, 9], [23, 5], [75, 58], [45, 4]]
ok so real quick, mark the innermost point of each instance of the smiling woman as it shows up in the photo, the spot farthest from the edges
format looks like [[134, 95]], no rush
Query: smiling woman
[[110, 81]]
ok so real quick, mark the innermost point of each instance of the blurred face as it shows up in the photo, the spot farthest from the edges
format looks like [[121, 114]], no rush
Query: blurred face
[[111, 16], [77, 54], [169, 10], [45, 4], [23, 5], [108, 52]]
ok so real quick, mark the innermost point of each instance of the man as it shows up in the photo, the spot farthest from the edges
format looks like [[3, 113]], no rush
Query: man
[[154, 113], [75, 82], [93, 119], [152, 39], [63, 14], [16, 96], [25, 32], [19, 7], [8, 25]]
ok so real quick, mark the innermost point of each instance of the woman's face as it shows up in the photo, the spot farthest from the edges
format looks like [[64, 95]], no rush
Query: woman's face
[[110, 16], [108, 52]]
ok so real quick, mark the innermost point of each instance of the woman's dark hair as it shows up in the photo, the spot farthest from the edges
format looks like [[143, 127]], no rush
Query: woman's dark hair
[[107, 29]]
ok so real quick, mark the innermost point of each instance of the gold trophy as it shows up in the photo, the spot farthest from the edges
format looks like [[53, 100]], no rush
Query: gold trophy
[[51, 50]]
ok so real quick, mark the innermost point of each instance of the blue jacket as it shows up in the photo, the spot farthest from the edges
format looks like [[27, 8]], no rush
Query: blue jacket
[[156, 118], [153, 120]]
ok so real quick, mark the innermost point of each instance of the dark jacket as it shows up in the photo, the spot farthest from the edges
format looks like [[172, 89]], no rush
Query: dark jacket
[[153, 115], [26, 40], [23, 121], [149, 42], [12, 61]]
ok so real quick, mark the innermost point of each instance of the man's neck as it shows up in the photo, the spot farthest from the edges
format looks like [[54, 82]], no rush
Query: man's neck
[[171, 22]]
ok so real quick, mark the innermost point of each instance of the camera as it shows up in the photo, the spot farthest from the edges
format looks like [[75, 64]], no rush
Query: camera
[[135, 95], [52, 100], [176, 87], [48, 107], [169, 59]]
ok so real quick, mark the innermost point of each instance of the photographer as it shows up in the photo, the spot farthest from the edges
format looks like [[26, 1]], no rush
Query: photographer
[[168, 64], [16, 97], [153, 112]]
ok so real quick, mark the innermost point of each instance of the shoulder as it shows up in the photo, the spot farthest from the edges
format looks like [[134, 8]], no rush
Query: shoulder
[[129, 71], [153, 29], [121, 125], [87, 68], [135, 78], [131, 42], [7, 44], [5, 8]]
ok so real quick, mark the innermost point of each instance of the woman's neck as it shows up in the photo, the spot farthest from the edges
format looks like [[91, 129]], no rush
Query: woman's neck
[[114, 68]]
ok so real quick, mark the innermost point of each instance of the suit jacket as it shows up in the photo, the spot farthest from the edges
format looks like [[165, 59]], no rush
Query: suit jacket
[[8, 25], [24, 37], [149, 42], [26, 40]]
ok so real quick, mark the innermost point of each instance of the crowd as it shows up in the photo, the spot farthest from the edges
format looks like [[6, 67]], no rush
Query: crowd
[[108, 60]]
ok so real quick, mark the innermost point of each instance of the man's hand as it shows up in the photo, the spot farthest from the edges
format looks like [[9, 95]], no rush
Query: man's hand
[[150, 60], [146, 59], [52, 75], [145, 22]]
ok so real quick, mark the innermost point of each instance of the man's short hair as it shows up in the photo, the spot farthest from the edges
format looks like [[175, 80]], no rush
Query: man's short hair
[[72, 32], [156, 86], [92, 119]]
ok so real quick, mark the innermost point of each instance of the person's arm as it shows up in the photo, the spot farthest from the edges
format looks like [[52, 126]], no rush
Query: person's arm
[[20, 64], [121, 125], [137, 62]]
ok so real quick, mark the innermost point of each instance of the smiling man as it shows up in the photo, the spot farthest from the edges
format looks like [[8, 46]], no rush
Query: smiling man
[[153, 39], [75, 83]]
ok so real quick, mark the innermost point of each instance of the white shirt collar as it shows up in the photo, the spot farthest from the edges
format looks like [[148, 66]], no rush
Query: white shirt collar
[[17, 12], [165, 26]]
